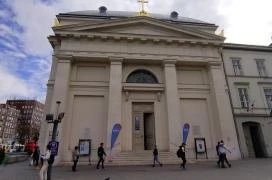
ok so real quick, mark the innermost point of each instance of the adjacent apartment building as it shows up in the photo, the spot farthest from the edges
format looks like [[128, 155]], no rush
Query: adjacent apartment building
[[248, 71], [31, 113], [8, 123]]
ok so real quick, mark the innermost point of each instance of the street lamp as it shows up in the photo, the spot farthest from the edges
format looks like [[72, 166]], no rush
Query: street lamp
[[53, 143]]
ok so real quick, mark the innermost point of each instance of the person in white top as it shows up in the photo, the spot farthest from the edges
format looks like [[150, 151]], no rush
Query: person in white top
[[45, 157], [222, 149]]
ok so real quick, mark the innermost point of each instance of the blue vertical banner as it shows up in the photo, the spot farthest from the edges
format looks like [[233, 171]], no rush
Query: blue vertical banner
[[114, 134], [185, 132]]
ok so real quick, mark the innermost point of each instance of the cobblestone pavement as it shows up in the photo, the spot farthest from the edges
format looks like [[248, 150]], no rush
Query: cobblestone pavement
[[256, 169]]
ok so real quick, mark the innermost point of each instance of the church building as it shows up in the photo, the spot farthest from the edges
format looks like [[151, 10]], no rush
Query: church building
[[150, 73]]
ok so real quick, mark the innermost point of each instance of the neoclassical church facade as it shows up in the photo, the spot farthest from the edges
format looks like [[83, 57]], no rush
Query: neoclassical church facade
[[149, 73]]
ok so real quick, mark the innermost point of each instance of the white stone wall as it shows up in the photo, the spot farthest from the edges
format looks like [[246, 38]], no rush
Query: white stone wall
[[89, 76], [255, 84]]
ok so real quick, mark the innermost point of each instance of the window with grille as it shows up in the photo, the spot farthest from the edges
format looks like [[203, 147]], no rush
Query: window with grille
[[244, 99], [261, 67], [237, 68], [268, 96]]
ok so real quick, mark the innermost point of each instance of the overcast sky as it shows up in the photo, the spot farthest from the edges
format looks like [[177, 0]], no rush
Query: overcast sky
[[25, 54]]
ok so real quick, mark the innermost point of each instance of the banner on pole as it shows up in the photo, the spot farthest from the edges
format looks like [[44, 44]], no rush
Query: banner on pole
[[185, 132], [114, 134]]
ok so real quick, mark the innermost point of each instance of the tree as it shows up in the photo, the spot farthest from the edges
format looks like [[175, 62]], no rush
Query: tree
[[23, 132]]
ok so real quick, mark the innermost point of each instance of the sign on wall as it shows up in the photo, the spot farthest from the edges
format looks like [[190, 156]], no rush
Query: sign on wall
[[84, 147], [200, 146]]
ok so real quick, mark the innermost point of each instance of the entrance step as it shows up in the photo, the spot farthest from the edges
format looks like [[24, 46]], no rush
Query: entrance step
[[143, 158]]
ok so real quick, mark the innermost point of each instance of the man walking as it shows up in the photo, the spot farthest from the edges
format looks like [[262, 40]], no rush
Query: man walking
[[222, 154], [156, 157], [181, 154], [36, 156], [1, 155], [100, 154], [217, 151], [75, 154]]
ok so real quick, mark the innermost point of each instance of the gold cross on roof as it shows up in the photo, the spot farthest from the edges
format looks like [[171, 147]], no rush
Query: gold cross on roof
[[142, 12]]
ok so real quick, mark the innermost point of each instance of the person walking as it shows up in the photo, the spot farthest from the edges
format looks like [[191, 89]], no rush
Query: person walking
[[45, 157], [36, 156], [156, 157], [75, 154], [222, 154], [100, 154], [217, 151], [181, 154], [1, 155], [3, 158]]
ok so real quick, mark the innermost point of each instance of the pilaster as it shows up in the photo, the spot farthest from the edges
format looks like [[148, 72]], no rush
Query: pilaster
[[115, 98], [60, 93], [225, 128], [172, 104]]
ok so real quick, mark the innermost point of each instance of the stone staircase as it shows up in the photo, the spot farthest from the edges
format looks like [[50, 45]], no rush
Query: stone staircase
[[142, 158]]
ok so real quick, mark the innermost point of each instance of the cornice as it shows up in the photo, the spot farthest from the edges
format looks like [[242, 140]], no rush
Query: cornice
[[142, 87], [136, 38], [128, 57], [54, 41], [246, 47], [250, 77]]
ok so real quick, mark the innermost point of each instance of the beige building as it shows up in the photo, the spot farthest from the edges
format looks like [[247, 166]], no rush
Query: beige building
[[249, 74], [152, 74]]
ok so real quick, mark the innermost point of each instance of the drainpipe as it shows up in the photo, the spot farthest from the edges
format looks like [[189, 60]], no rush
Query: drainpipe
[[231, 104]]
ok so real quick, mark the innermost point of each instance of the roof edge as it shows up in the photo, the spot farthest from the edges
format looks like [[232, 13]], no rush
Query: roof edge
[[247, 47]]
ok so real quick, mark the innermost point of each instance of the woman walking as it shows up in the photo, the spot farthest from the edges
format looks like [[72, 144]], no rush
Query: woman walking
[[45, 157]]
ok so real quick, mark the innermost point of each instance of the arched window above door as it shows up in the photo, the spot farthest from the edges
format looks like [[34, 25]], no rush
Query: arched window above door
[[141, 76]]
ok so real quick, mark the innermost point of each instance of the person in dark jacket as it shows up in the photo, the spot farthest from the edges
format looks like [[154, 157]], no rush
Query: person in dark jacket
[[100, 154], [36, 156], [181, 154], [156, 157], [1, 155], [217, 151]]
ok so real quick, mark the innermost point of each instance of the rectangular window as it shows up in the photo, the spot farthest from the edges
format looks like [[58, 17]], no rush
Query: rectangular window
[[237, 68], [244, 99], [268, 96], [261, 67]]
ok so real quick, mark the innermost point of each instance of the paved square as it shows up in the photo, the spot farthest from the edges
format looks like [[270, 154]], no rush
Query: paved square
[[256, 169]]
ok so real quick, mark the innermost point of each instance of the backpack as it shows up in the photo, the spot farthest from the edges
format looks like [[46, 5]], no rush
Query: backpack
[[179, 153]]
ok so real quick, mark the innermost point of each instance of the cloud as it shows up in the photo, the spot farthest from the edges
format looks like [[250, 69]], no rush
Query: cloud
[[11, 86], [25, 53]]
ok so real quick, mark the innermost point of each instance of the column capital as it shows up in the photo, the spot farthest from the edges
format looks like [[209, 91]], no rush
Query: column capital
[[214, 65], [63, 58], [169, 62], [116, 60]]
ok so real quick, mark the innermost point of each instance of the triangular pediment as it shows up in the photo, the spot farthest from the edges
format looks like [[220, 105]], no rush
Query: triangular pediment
[[143, 29], [143, 26]]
